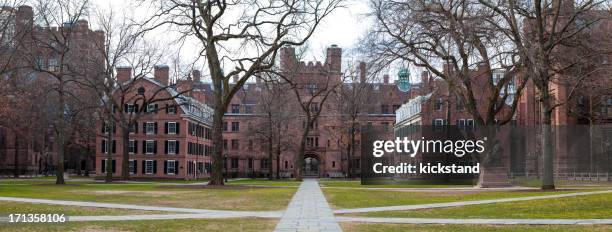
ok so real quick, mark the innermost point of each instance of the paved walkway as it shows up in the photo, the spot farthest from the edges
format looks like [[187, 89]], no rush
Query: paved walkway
[[462, 203], [308, 211], [206, 212]]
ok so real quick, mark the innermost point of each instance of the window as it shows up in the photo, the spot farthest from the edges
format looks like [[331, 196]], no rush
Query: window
[[311, 88], [235, 126], [224, 126], [170, 167], [149, 169], [171, 127], [248, 109], [132, 166], [225, 144], [171, 109], [312, 141], [235, 108], [250, 163], [130, 108], [150, 128], [234, 162], [53, 65], [235, 144], [263, 163], [461, 123], [152, 108], [171, 147], [333, 164], [469, 123], [141, 91], [384, 109], [314, 106], [286, 164], [439, 104], [132, 146], [150, 147], [439, 122], [134, 128]]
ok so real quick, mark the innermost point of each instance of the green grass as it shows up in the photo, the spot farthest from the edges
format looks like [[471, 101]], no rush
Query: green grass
[[376, 227], [533, 182], [266, 182], [146, 226], [8, 207], [596, 206], [393, 184], [358, 198], [157, 195]]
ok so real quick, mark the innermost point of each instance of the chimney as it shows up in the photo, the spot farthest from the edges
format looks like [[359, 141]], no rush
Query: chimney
[[362, 72], [161, 74], [124, 74], [196, 75], [82, 25], [235, 77], [334, 58], [386, 78]]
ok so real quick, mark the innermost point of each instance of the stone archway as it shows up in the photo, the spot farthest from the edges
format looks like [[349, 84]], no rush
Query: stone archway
[[312, 165]]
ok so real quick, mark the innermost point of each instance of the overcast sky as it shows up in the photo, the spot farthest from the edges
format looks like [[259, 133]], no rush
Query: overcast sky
[[343, 27]]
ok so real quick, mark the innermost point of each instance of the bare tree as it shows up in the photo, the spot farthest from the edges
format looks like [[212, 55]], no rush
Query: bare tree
[[243, 35], [543, 32]]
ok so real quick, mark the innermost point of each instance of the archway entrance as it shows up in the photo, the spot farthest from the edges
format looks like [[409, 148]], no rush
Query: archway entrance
[[311, 166]]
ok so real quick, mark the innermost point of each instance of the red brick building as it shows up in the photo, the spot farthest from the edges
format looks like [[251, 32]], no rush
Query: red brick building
[[171, 139]]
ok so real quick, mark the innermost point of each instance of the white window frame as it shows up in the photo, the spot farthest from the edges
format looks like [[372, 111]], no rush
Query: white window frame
[[151, 108], [132, 168], [105, 146], [147, 166], [173, 151], [439, 122], [173, 132], [147, 147], [152, 124], [168, 167], [469, 122], [130, 108], [106, 165], [462, 123], [131, 146]]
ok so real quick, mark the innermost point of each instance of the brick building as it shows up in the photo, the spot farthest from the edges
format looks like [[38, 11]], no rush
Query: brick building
[[31, 48], [171, 139]]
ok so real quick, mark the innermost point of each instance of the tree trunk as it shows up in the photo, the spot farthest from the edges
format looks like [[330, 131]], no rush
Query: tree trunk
[[270, 149], [16, 154], [216, 176], [351, 151], [125, 161], [89, 152], [278, 154], [109, 155], [547, 143], [60, 136], [299, 160], [78, 163]]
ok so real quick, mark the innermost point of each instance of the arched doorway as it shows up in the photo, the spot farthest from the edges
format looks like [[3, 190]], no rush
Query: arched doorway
[[311, 165]]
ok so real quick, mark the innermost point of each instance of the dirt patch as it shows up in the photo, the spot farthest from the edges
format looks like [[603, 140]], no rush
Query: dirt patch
[[100, 229]]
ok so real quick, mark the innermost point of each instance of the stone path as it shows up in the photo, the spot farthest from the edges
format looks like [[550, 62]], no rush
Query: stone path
[[479, 221], [308, 211], [209, 212], [462, 203]]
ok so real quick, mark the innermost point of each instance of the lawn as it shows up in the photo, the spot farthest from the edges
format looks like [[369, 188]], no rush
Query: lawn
[[598, 206], [228, 198], [395, 184], [9, 207], [367, 227], [359, 198], [153, 225]]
